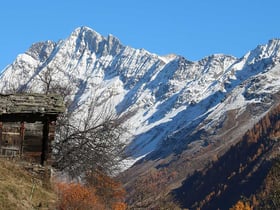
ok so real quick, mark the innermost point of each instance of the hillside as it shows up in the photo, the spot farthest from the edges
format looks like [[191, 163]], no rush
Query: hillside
[[25, 186], [243, 171], [248, 173], [21, 190]]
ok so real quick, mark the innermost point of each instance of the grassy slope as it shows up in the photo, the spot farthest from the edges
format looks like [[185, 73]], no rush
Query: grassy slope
[[20, 190]]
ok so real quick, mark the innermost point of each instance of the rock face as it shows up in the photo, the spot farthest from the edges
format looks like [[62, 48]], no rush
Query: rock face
[[178, 106]]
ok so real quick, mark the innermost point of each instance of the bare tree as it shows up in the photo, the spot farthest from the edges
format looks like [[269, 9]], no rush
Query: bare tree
[[88, 136], [92, 143], [47, 79]]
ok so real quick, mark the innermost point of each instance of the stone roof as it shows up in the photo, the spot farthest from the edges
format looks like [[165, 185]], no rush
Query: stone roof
[[31, 104]]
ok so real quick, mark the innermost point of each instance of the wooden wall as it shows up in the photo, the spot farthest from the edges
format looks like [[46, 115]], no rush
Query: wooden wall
[[26, 140]]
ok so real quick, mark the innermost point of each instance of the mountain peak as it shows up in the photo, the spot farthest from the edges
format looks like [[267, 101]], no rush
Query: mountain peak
[[85, 37], [270, 50], [86, 32], [274, 46], [41, 50], [274, 41], [85, 29]]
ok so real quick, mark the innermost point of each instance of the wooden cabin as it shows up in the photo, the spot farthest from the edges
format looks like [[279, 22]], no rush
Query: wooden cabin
[[27, 125]]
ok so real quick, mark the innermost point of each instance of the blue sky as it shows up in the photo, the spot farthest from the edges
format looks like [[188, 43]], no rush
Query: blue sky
[[191, 28]]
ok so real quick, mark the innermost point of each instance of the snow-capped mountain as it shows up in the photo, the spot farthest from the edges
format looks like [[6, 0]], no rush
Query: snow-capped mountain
[[177, 105]]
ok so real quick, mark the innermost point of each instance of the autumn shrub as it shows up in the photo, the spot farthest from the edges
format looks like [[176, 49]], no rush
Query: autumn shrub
[[101, 192], [109, 191], [75, 196]]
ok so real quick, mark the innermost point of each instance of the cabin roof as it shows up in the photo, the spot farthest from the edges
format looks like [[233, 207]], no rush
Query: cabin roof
[[31, 103]]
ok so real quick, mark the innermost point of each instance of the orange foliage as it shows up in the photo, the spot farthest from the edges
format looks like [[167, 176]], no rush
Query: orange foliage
[[110, 192], [240, 205], [119, 206], [74, 196], [103, 193]]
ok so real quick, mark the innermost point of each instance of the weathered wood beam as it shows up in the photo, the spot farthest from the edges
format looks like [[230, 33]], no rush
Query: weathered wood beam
[[45, 144]]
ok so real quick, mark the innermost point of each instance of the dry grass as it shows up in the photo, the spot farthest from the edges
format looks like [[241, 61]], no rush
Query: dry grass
[[19, 190]]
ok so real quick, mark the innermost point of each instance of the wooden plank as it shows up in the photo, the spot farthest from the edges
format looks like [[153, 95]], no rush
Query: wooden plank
[[1, 128], [11, 133]]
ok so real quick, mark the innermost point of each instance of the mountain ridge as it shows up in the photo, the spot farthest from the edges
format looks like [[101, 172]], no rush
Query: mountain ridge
[[172, 98]]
